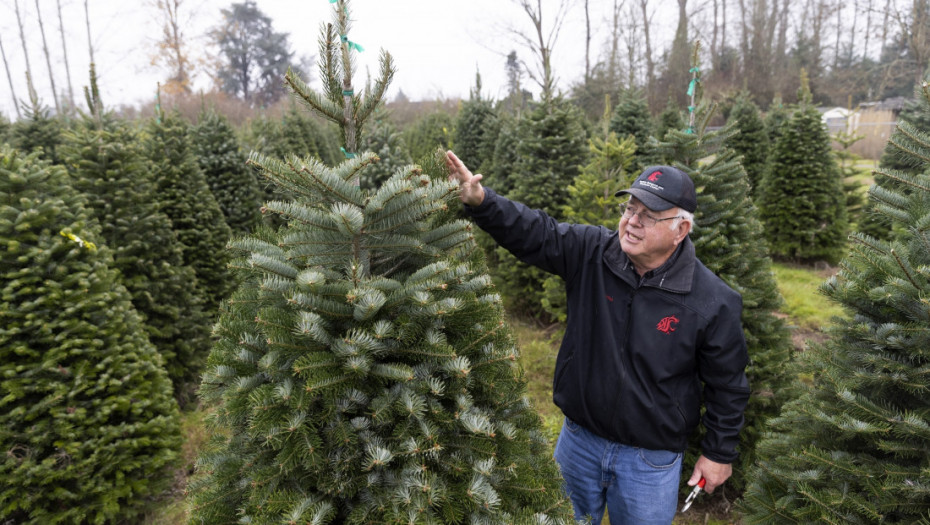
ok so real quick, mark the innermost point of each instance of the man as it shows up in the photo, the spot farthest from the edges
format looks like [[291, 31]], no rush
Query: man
[[651, 333]]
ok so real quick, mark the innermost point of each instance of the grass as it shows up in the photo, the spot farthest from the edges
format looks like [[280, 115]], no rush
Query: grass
[[172, 508], [805, 306]]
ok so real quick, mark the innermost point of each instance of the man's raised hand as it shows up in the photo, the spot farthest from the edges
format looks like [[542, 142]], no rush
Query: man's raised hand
[[471, 191]]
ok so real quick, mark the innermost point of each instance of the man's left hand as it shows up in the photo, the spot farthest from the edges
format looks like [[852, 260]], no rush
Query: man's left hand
[[714, 473]]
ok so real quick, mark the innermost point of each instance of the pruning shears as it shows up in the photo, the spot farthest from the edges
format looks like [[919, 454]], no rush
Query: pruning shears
[[691, 497]]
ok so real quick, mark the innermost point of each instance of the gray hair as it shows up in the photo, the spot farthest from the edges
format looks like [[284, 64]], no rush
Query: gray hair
[[683, 214]]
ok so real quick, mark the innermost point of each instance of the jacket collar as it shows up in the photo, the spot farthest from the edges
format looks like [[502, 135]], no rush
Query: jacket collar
[[675, 275]]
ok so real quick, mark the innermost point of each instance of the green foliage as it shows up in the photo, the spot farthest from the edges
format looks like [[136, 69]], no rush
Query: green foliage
[[253, 57], [726, 238], [363, 372], [670, 119], [4, 129], [185, 197], [752, 142], [550, 150], [854, 448], [386, 142], [372, 360], [476, 129], [107, 164], [435, 130], [775, 120], [801, 197], [222, 162], [87, 422], [632, 117], [37, 132], [500, 171]]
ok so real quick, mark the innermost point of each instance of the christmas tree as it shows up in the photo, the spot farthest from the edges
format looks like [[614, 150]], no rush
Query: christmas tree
[[854, 447], [475, 128], [632, 117], [363, 372], [775, 119], [186, 198], [386, 142], [432, 131], [726, 238], [106, 163], [752, 141], [801, 198], [87, 421], [222, 162], [550, 150], [38, 131]]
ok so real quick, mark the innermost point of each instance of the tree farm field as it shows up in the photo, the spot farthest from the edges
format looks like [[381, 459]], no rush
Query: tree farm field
[[806, 310]]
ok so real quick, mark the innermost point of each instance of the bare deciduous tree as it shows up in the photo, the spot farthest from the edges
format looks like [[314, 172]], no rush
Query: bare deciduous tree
[[9, 79], [22, 39], [48, 60], [541, 43], [64, 50], [650, 60], [171, 51]]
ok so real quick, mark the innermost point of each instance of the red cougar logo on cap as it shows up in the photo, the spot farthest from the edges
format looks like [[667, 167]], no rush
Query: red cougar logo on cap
[[654, 176]]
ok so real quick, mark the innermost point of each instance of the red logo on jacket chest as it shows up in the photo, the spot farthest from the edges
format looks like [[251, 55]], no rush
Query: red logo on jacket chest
[[667, 325]]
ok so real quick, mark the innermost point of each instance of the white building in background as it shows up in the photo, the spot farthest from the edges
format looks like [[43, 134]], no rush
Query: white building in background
[[839, 120]]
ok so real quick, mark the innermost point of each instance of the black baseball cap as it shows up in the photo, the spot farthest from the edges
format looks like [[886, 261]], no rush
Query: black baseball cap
[[663, 187]]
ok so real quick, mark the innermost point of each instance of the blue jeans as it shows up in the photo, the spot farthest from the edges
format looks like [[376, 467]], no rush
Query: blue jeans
[[638, 486]]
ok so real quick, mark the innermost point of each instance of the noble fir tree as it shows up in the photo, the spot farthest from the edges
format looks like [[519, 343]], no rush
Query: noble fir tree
[[752, 141], [632, 117], [853, 448], [726, 237], [186, 199], [106, 163], [549, 152], [363, 373], [37, 131], [670, 119], [475, 126], [4, 128], [87, 422], [387, 143], [432, 131], [222, 162], [775, 118], [801, 198]]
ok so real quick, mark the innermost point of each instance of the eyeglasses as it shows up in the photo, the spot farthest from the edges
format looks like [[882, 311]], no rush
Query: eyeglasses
[[645, 218]]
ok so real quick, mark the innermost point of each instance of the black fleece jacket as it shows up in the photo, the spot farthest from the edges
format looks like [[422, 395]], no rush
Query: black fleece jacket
[[640, 354]]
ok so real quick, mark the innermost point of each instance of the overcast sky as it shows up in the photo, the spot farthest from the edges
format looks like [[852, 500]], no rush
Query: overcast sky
[[437, 45]]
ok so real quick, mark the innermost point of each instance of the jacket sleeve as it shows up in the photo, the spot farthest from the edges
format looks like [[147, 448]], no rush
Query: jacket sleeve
[[722, 368], [531, 235]]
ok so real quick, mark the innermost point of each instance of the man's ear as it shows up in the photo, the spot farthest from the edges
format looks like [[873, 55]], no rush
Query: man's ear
[[682, 231]]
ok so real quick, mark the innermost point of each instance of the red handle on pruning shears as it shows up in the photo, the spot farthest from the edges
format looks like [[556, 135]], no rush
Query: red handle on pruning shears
[[694, 493]]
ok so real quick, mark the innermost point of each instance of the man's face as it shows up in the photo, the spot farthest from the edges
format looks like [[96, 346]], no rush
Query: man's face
[[648, 246]]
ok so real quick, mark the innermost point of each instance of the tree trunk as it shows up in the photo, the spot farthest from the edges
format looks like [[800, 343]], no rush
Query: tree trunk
[[714, 52], [6, 66], [587, 43], [90, 43], [22, 39], [64, 49], [48, 61], [650, 60]]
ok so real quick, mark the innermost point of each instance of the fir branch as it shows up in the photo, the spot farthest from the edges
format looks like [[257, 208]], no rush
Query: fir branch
[[313, 100]]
